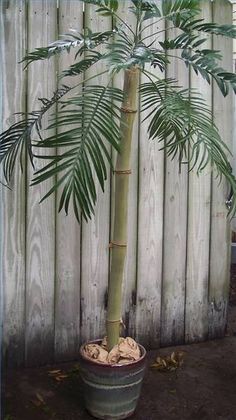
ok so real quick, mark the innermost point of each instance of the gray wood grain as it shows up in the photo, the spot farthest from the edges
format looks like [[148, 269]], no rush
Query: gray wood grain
[[196, 323], [150, 233], [220, 226], [175, 230], [67, 291], [12, 203], [40, 267], [95, 233]]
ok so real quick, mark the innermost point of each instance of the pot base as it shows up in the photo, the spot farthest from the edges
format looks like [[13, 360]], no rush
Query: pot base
[[111, 392], [107, 417]]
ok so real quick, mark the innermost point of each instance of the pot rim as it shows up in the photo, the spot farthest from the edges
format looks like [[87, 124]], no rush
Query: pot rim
[[108, 365]]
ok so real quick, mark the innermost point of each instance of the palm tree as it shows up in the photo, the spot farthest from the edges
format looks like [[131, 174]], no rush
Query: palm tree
[[104, 115]]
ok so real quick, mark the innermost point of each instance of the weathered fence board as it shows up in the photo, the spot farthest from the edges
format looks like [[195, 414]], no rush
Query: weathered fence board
[[198, 240], [175, 230], [220, 233], [150, 232], [67, 285], [12, 203], [40, 219], [54, 272], [95, 234]]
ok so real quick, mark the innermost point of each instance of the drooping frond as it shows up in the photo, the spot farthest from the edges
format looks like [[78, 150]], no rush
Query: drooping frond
[[204, 61], [15, 138], [93, 118], [181, 120], [13, 141]]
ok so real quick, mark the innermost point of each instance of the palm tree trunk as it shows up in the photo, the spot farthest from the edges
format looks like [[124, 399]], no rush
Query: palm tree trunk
[[119, 239]]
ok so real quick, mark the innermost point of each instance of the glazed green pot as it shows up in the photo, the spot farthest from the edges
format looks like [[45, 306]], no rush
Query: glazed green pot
[[111, 392]]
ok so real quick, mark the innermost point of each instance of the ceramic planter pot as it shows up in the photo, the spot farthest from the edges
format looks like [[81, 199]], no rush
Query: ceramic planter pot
[[111, 392]]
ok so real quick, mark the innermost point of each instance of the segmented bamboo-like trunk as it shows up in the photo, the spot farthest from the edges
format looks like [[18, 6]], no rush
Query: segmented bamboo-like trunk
[[119, 239]]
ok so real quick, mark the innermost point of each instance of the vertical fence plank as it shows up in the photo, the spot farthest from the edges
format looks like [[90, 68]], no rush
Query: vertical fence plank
[[95, 238], [150, 232], [12, 203], [196, 323], [67, 293], [40, 218], [233, 221], [175, 229], [220, 229], [129, 280]]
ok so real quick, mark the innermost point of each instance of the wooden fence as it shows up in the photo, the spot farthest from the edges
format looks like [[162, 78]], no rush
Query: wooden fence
[[54, 273]]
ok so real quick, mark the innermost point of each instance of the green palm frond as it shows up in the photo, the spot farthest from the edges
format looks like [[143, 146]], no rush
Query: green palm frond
[[182, 41], [13, 141], [15, 138], [148, 9], [174, 10], [198, 25], [120, 53], [122, 57], [74, 40], [84, 64], [215, 29], [178, 10], [124, 53], [93, 118], [54, 48], [106, 7], [204, 61], [181, 119]]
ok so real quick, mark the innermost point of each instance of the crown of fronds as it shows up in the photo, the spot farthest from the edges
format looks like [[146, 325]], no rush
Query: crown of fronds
[[87, 125]]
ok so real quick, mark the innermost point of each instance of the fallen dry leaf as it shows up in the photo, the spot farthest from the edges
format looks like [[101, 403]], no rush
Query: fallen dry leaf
[[54, 372], [58, 375], [169, 363], [60, 378], [40, 398], [37, 402]]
